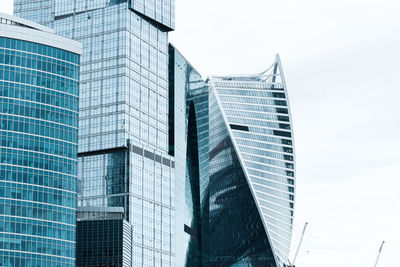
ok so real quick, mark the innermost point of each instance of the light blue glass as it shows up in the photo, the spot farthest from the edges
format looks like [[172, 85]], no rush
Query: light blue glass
[[38, 164], [123, 112]]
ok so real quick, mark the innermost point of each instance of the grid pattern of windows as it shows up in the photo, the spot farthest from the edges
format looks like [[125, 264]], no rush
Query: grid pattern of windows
[[38, 142], [123, 100], [103, 243], [188, 105], [256, 118], [161, 11], [236, 235]]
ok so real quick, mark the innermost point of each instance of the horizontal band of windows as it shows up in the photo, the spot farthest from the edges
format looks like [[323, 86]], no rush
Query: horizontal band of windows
[[272, 177], [268, 131], [263, 138], [39, 211], [272, 184], [45, 64], [276, 215], [239, 127], [27, 226], [271, 198], [256, 122], [253, 92], [267, 168], [39, 128], [267, 161], [283, 240], [36, 244], [265, 153], [272, 191], [254, 156], [38, 177], [251, 100], [275, 208], [38, 111], [34, 231], [277, 222], [280, 231], [248, 85], [283, 246], [255, 108], [37, 78], [257, 115], [256, 144], [36, 160], [39, 94], [38, 194], [248, 93], [39, 144], [36, 48]]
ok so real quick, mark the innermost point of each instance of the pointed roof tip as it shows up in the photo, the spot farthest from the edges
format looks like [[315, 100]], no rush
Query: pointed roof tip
[[277, 57]]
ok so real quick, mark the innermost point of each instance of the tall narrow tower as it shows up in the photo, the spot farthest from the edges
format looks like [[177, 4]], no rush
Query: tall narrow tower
[[252, 183], [123, 118]]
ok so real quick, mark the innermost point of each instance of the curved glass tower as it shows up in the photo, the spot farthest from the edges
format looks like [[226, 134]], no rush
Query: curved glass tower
[[39, 77], [251, 183]]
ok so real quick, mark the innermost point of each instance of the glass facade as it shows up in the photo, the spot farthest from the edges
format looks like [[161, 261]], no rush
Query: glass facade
[[123, 158], [39, 142], [251, 184], [104, 242], [188, 141]]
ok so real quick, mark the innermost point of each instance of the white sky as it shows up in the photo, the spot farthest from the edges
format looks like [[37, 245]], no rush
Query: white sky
[[341, 60]]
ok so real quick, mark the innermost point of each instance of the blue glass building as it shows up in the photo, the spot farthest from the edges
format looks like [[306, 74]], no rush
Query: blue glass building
[[202, 172], [188, 142], [39, 77], [123, 158], [251, 183]]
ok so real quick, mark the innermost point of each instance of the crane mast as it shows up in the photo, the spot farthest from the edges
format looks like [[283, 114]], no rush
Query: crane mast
[[379, 253], [298, 246]]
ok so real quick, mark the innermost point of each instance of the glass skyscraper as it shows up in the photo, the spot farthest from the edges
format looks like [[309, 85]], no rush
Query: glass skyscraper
[[39, 78], [202, 172], [188, 142], [251, 184], [124, 158]]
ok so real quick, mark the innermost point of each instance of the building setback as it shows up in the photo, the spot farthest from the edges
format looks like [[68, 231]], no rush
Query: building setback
[[39, 78]]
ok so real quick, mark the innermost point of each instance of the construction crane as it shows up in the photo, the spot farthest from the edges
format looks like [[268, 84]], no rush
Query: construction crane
[[379, 253], [291, 264]]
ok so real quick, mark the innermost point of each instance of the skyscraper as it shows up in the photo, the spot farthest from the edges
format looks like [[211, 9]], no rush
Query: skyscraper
[[188, 142], [123, 118], [203, 174], [39, 78], [251, 184]]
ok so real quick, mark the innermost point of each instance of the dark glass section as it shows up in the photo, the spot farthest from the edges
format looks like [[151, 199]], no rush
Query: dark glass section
[[99, 243], [239, 127], [188, 142], [192, 191], [171, 101], [236, 233]]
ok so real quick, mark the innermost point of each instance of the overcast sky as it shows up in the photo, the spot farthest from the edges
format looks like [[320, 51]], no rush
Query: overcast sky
[[341, 62]]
